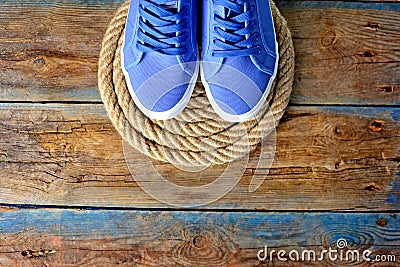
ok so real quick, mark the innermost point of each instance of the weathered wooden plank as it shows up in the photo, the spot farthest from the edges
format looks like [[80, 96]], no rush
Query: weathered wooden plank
[[346, 52], [50, 49], [166, 238], [327, 158]]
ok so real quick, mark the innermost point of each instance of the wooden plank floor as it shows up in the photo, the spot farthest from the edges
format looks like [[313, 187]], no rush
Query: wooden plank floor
[[67, 197], [155, 238]]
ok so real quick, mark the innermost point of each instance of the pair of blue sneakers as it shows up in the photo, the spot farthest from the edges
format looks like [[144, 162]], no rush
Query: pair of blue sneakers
[[161, 59]]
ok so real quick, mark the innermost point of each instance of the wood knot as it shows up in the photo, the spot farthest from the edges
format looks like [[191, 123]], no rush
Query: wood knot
[[368, 53], [38, 63], [3, 156], [372, 25], [203, 250], [7, 209], [376, 125], [373, 187], [328, 38], [200, 241], [387, 88], [396, 159], [337, 165], [37, 253], [382, 222], [344, 131], [340, 135]]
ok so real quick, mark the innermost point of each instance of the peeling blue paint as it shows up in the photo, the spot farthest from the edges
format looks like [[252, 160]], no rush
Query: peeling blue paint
[[247, 228], [54, 3], [281, 4], [396, 114], [394, 198], [340, 4]]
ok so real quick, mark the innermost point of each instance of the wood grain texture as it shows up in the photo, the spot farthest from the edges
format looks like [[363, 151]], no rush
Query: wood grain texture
[[50, 49], [176, 238], [346, 52], [327, 158]]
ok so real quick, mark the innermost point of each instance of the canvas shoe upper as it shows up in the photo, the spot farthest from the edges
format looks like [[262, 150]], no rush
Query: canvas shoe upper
[[159, 55], [239, 56]]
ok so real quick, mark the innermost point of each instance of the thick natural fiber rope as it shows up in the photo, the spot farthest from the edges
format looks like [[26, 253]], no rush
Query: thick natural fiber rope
[[197, 137]]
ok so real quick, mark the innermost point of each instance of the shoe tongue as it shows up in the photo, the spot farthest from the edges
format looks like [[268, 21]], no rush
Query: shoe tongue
[[170, 6]]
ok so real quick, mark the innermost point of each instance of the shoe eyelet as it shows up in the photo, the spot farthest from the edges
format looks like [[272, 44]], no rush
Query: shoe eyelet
[[215, 14], [259, 49], [213, 40], [212, 53], [214, 27]]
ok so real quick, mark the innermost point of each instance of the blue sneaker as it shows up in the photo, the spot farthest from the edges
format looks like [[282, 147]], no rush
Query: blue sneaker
[[239, 56], [159, 55]]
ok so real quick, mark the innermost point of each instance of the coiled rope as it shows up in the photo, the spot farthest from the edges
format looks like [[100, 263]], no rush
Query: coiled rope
[[196, 137]]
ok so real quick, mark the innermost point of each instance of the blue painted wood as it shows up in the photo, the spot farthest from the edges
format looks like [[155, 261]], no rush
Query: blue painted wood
[[381, 5], [394, 198], [172, 235], [264, 227], [36, 3], [359, 5], [101, 237]]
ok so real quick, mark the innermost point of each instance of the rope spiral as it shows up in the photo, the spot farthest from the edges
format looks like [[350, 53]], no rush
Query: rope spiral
[[197, 136]]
